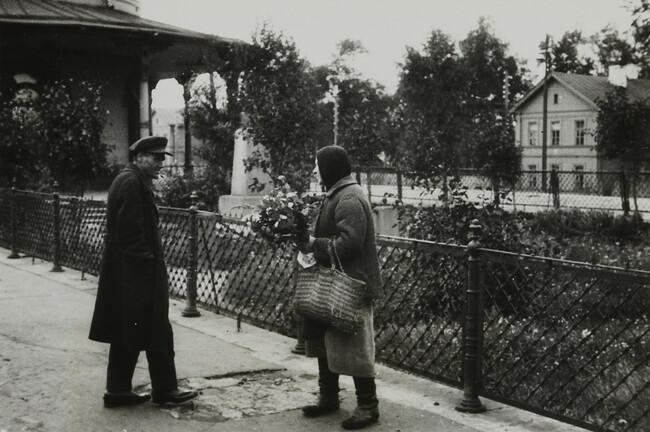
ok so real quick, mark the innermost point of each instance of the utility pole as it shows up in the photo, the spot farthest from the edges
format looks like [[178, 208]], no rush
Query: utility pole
[[506, 92], [545, 113]]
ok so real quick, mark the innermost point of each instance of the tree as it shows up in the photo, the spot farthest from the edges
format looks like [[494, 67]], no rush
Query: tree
[[279, 98], [433, 92], [623, 128], [213, 124], [362, 108], [57, 135], [490, 69], [641, 32], [20, 152], [565, 57], [612, 49], [499, 158]]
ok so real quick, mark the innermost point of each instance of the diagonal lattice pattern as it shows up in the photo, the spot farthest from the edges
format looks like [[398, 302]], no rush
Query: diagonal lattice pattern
[[5, 217], [35, 223], [83, 224], [565, 339], [242, 276], [569, 339], [419, 321]]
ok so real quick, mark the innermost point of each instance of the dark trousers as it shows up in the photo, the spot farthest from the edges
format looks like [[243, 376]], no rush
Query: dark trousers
[[328, 382], [122, 362]]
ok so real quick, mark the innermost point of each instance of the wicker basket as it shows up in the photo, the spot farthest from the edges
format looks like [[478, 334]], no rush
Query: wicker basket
[[330, 296]]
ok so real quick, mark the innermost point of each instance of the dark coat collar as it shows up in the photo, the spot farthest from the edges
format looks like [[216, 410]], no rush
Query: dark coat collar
[[345, 181], [146, 181]]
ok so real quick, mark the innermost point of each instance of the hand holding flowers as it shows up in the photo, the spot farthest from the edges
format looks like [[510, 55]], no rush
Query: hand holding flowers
[[283, 216]]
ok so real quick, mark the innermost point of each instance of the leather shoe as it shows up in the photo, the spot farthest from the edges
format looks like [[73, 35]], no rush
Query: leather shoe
[[174, 397], [113, 400]]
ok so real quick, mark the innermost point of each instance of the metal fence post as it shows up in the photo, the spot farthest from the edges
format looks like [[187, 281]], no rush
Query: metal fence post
[[473, 326], [399, 184], [56, 204], [625, 193], [14, 247], [192, 240]]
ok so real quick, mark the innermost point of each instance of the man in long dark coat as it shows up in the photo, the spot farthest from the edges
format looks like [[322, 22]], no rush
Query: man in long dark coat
[[132, 305]]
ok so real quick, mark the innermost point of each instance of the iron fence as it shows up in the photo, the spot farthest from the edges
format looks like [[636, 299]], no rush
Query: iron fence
[[620, 191], [568, 340]]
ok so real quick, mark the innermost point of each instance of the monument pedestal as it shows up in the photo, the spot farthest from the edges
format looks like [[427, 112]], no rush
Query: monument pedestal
[[241, 201]]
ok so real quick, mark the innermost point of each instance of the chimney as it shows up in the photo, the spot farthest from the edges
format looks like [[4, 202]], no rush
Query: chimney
[[618, 75]]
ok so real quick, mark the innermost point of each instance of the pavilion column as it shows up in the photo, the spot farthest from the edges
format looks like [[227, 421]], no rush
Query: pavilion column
[[145, 109]]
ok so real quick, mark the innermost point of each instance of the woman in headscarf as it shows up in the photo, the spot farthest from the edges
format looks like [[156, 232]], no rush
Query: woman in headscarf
[[346, 217]]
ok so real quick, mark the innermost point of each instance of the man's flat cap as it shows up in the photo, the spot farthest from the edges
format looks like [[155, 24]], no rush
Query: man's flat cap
[[150, 144]]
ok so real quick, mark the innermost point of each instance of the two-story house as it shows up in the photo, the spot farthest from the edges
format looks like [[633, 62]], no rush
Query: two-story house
[[571, 119]]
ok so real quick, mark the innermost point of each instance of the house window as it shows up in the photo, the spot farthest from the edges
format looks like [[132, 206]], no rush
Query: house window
[[580, 132], [556, 99], [580, 176], [532, 133], [555, 133], [532, 176]]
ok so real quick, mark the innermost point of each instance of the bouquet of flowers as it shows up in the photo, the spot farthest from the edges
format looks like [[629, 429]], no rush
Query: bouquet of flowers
[[282, 216]]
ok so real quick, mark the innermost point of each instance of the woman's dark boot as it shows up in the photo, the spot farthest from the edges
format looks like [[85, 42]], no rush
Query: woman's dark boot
[[367, 410], [328, 392]]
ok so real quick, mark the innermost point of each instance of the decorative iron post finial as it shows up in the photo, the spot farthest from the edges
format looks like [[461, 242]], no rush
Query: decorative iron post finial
[[194, 199]]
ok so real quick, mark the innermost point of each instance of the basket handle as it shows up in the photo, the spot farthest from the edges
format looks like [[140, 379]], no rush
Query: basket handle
[[331, 248]]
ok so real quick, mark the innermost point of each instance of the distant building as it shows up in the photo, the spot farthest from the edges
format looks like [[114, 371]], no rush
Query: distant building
[[168, 122], [571, 119]]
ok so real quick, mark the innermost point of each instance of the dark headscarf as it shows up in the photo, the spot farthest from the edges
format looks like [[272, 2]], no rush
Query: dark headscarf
[[333, 164]]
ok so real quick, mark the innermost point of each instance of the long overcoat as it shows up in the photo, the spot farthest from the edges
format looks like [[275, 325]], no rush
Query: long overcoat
[[345, 215], [132, 304]]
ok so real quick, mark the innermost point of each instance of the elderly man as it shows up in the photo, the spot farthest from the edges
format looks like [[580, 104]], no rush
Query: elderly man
[[132, 305]]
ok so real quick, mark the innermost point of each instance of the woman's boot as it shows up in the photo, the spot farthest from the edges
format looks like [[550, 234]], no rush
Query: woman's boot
[[367, 411], [328, 392]]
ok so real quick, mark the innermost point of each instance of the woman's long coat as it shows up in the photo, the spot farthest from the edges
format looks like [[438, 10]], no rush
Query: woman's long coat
[[346, 216], [132, 304]]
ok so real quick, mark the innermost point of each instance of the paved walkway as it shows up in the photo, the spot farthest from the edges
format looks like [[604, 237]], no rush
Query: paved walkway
[[52, 377]]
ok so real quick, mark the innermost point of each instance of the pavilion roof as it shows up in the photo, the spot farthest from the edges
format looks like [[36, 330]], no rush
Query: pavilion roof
[[54, 13]]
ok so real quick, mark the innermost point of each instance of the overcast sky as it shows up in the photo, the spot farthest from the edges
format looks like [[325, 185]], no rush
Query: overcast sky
[[385, 27]]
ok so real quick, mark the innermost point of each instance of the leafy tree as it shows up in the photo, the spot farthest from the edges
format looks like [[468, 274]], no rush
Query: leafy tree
[[454, 106], [280, 98], [71, 125], [213, 124], [641, 32], [433, 91], [499, 159], [20, 147], [565, 57], [55, 136], [362, 108], [612, 49], [489, 67], [488, 62], [622, 130]]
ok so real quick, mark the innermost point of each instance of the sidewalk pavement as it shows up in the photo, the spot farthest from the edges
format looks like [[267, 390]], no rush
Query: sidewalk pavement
[[52, 377]]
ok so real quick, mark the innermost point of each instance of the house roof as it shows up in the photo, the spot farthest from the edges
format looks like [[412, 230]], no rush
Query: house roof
[[590, 88], [53, 13]]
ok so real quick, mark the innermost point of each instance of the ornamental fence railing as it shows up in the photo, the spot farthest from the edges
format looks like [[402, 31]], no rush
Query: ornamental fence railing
[[565, 339], [615, 191]]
